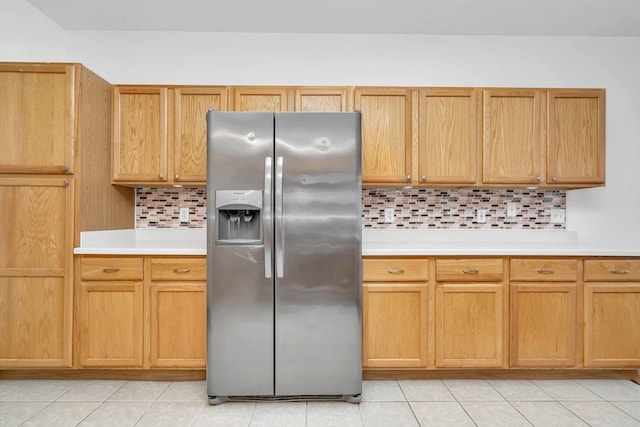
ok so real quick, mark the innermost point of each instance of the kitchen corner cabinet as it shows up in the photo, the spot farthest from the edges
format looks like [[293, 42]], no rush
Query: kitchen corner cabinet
[[36, 280], [386, 135], [59, 125], [576, 137], [512, 138], [142, 312], [448, 148], [37, 114], [543, 326], [160, 133], [394, 313], [612, 313], [471, 309]]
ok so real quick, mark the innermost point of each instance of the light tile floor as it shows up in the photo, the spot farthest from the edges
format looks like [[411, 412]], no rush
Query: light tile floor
[[450, 403]]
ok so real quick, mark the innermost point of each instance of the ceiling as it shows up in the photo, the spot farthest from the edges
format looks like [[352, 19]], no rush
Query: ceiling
[[435, 17]]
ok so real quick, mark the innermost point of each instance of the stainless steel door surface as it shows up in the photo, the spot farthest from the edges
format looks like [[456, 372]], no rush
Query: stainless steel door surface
[[240, 297], [318, 240]]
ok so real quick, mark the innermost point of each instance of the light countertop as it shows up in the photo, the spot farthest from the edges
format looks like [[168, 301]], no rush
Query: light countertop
[[192, 241]]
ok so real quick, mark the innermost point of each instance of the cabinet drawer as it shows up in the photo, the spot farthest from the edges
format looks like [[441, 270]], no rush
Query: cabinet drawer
[[544, 270], [395, 270], [469, 270], [111, 269], [611, 270], [179, 269]]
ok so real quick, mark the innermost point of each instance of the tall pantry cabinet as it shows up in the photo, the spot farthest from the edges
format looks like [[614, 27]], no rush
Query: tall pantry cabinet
[[54, 183]]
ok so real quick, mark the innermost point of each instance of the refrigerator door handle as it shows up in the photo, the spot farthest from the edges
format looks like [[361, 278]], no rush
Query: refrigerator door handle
[[268, 220], [279, 223]]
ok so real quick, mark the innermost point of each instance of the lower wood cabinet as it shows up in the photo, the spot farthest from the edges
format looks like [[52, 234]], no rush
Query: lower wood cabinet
[[612, 313], [142, 312]]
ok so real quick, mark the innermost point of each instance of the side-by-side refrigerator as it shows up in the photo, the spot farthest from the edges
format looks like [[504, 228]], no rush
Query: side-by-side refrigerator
[[284, 256]]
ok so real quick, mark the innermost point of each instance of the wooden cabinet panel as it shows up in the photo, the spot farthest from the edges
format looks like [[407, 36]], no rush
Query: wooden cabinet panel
[[611, 270], [394, 325], [110, 323], [37, 118], [612, 325], [111, 268], [178, 336], [512, 136], [139, 134], [386, 134], [323, 99], [249, 98], [190, 130], [448, 145], [469, 270], [395, 270], [576, 148], [543, 325], [469, 325], [178, 269], [35, 322], [544, 270]]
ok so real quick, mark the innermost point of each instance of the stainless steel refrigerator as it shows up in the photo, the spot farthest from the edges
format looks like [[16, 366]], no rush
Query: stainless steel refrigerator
[[283, 256]]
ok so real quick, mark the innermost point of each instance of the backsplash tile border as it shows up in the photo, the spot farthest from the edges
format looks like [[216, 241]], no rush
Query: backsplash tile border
[[414, 208]]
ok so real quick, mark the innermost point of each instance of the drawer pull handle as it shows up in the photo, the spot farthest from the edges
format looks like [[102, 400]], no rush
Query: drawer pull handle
[[546, 271], [181, 270], [471, 271], [110, 270], [625, 271], [396, 271]]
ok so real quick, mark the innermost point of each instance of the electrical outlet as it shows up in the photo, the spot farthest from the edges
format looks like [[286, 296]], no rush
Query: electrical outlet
[[481, 216], [557, 216], [389, 215], [184, 214], [511, 209]]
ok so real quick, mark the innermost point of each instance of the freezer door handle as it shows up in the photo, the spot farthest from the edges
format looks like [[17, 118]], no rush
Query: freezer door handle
[[266, 218], [279, 223]]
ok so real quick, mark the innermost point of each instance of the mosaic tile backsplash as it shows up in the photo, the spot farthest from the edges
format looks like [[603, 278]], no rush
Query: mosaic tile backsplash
[[415, 208]]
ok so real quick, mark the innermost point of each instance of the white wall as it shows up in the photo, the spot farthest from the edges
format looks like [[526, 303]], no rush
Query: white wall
[[602, 214]]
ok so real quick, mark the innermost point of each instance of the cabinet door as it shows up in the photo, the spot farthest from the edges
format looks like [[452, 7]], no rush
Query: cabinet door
[[260, 99], [543, 325], [139, 134], [37, 118], [612, 325], [36, 290], [469, 325], [576, 148], [323, 99], [190, 138], [512, 136], [448, 146], [111, 322], [178, 313], [394, 328], [386, 134]]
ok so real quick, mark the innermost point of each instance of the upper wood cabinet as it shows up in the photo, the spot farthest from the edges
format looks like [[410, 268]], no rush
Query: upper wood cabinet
[[160, 133], [448, 148], [323, 99], [260, 98], [37, 117], [512, 121], [386, 134], [576, 135]]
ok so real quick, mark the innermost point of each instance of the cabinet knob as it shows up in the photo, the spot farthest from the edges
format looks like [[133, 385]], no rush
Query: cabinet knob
[[181, 270], [395, 271], [554, 179], [161, 176], [65, 168], [424, 177], [539, 178], [110, 270], [175, 177], [65, 182], [545, 271], [408, 177], [471, 271]]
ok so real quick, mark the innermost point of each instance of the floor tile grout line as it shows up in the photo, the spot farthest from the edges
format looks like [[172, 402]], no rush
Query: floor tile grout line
[[620, 409]]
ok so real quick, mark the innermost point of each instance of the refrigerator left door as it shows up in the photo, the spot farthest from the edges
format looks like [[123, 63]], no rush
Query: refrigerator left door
[[240, 354]]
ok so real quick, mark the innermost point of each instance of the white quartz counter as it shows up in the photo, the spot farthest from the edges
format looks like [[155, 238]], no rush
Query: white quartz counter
[[374, 242]]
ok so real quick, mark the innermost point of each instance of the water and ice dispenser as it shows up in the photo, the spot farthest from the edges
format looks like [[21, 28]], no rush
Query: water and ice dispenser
[[239, 217]]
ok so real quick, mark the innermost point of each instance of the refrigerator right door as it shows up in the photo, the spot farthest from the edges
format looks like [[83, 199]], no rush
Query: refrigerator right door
[[318, 319]]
